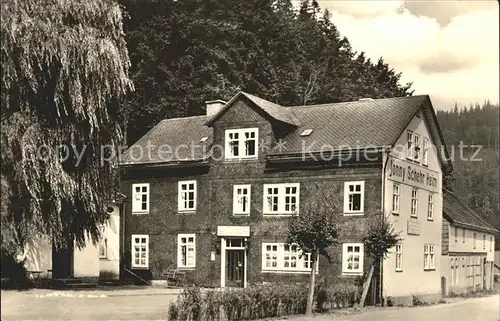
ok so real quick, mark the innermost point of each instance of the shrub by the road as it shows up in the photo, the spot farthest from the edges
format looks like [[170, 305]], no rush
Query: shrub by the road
[[343, 294], [255, 302]]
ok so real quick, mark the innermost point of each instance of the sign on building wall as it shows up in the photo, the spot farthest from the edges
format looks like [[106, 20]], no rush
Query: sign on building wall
[[413, 227], [233, 231], [412, 174]]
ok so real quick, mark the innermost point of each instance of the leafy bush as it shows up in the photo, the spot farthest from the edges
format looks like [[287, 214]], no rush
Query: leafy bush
[[13, 273], [380, 237], [343, 294], [417, 300], [251, 303]]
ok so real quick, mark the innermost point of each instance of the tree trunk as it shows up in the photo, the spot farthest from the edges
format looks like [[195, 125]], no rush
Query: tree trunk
[[312, 283], [366, 286]]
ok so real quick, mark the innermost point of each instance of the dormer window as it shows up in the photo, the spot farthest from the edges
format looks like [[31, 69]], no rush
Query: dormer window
[[242, 143], [306, 132]]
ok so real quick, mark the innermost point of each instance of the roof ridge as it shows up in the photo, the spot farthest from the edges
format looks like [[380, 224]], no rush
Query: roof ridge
[[179, 118], [355, 101]]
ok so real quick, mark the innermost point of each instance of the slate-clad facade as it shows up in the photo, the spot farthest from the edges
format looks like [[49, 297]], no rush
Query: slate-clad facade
[[217, 211]]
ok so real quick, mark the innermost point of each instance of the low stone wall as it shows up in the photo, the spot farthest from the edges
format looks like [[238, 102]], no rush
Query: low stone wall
[[424, 298]]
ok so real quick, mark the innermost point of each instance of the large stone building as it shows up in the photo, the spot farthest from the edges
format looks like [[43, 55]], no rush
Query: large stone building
[[210, 195]]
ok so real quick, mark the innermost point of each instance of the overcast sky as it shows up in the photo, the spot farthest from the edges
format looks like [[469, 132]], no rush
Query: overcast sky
[[448, 49]]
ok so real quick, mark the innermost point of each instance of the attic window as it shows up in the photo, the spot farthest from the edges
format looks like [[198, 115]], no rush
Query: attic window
[[306, 132], [203, 139]]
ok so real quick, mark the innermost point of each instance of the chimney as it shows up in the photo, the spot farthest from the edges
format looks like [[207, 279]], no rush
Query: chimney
[[213, 106]]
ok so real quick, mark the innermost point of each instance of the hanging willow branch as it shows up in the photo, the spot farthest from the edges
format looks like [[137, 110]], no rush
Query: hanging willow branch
[[64, 70]]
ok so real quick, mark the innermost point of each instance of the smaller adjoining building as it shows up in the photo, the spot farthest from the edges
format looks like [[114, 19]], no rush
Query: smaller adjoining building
[[91, 262], [468, 248]]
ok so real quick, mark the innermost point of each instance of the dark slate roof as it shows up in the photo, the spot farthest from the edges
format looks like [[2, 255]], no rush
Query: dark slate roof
[[366, 123], [458, 213], [171, 133], [358, 124], [276, 111]]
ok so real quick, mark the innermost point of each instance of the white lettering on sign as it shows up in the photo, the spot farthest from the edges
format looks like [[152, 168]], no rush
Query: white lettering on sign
[[408, 173]]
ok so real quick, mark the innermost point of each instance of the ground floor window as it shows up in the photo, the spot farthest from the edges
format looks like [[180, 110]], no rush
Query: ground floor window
[[455, 268], [429, 257], [186, 250], [399, 257], [352, 258], [140, 251], [284, 257], [103, 243]]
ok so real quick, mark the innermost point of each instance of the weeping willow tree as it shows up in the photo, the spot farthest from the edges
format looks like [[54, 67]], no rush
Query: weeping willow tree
[[64, 71]]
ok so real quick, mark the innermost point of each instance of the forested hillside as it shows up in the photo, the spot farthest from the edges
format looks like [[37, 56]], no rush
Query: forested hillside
[[186, 52], [476, 177]]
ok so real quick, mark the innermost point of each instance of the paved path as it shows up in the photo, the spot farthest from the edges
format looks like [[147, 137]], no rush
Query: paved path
[[152, 304], [127, 304], [480, 309]]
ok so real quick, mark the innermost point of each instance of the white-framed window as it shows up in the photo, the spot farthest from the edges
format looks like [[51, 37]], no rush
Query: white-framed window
[[352, 258], [463, 235], [430, 208], [456, 234], [186, 250], [452, 267], [429, 257], [491, 243], [414, 202], [284, 257], [395, 198], [187, 196], [354, 194], [425, 151], [409, 147], [140, 198], [399, 257], [281, 199], [140, 251], [241, 199], [474, 236], [242, 143], [484, 241], [416, 143], [103, 243]]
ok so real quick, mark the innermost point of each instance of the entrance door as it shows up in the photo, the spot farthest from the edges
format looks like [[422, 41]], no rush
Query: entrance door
[[233, 274], [62, 261], [235, 268]]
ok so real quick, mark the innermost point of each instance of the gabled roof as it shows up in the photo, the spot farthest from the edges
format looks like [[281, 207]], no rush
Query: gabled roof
[[350, 125], [456, 212], [166, 137], [363, 123], [275, 111]]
